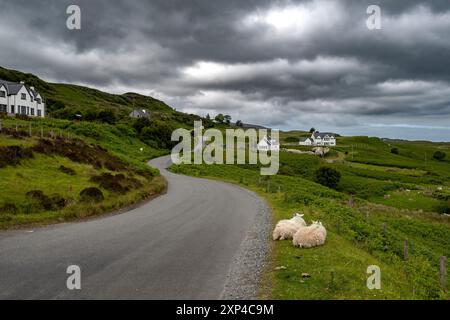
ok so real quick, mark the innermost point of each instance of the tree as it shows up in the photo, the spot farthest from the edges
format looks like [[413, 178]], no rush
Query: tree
[[439, 155], [106, 116], [394, 151], [328, 177], [312, 130], [227, 119], [141, 123], [220, 118], [159, 133], [239, 123]]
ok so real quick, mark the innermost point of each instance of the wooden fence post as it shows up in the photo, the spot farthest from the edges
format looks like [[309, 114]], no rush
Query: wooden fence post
[[443, 273], [406, 250]]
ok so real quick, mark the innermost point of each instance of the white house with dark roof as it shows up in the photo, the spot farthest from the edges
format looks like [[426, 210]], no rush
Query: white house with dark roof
[[17, 98], [306, 142], [140, 113], [268, 144], [319, 139]]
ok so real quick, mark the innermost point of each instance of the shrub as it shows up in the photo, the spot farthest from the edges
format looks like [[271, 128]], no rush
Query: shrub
[[439, 155], [12, 155], [328, 177], [9, 208], [443, 207], [116, 183], [67, 170], [55, 202], [394, 151], [22, 117], [91, 194], [58, 202]]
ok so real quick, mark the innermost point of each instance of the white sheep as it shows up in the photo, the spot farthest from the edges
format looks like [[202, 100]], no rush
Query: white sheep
[[285, 229], [311, 236]]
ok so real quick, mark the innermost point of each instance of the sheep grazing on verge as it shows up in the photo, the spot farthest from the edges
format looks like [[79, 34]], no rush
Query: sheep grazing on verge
[[285, 229], [311, 236]]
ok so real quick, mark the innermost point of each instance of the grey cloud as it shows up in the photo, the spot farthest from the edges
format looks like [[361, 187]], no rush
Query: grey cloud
[[279, 63]]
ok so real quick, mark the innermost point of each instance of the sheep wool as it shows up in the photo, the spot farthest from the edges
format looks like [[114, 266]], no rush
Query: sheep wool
[[285, 229], [311, 236]]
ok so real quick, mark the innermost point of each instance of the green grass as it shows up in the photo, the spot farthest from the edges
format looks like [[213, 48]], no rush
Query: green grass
[[360, 235], [42, 173]]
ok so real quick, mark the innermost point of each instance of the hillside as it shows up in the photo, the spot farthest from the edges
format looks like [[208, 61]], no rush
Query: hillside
[[66, 100], [382, 200], [55, 179]]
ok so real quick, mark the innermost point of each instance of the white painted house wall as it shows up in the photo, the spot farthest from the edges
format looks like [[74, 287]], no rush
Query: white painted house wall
[[23, 102], [3, 100]]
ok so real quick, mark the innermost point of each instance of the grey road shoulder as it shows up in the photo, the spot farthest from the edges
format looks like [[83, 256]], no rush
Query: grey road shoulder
[[245, 274]]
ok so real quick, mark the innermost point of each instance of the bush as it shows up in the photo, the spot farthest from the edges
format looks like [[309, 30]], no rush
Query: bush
[[394, 151], [9, 208], [91, 194], [439, 155], [443, 207], [67, 170], [55, 202], [328, 177], [12, 155], [116, 183]]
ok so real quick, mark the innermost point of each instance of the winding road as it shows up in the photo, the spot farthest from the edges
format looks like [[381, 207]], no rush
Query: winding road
[[187, 244]]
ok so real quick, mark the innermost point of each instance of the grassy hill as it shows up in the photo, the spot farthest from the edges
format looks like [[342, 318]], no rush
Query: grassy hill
[[51, 179], [382, 200], [64, 101]]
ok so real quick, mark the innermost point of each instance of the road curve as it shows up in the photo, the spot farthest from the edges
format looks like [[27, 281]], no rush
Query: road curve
[[181, 245]]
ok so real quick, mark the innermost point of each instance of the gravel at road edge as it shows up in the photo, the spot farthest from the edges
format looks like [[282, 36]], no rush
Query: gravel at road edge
[[245, 274]]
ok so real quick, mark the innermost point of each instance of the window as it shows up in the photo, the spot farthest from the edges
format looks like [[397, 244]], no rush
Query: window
[[39, 113], [23, 110], [12, 109], [32, 111], [24, 96], [3, 108], [2, 94]]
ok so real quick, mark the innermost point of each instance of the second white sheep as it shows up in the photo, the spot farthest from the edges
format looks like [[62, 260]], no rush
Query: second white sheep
[[285, 229]]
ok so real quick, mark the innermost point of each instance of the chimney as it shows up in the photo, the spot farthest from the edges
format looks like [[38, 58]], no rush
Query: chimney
[[22, 82], [32, 88]]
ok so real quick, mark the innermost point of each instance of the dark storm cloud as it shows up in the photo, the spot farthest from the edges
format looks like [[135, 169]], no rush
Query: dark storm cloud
[[280, 63]]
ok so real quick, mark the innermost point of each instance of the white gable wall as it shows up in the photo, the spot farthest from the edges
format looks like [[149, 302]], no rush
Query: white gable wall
[[4, 100]]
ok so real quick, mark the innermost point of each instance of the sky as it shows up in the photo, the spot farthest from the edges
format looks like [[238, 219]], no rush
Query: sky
[[282, 64]]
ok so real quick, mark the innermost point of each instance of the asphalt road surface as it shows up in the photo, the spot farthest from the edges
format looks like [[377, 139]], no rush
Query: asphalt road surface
[[180, 245]]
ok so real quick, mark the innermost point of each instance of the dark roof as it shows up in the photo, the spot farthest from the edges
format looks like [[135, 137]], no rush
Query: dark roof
[[12, 87], [323, 134], [140, 112]]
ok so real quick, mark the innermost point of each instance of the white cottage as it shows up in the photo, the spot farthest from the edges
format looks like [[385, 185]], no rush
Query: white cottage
[[268, 144], [17, 98], [319, 139], [306, 142]]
